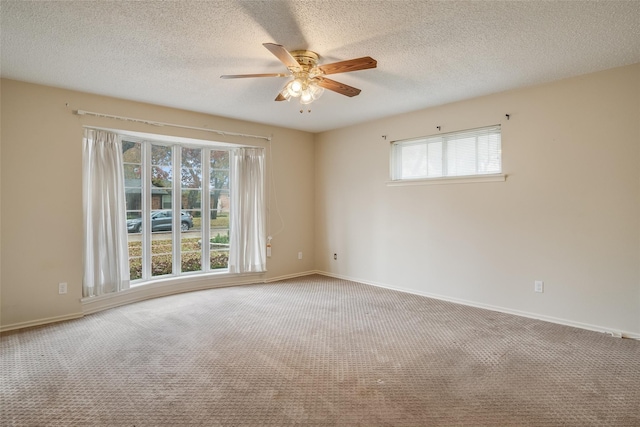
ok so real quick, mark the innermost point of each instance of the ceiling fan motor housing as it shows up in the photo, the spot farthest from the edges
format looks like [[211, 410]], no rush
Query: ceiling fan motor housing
[[306, 58]]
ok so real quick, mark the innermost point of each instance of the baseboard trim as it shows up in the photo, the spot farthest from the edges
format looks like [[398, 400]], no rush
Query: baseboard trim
[[291, 276], [551, 319], [39, 322]]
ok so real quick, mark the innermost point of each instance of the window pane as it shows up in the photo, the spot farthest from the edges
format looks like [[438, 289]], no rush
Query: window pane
[[191, 171], [489, 156], [134, 241], [135, 258], [469, 152], [191, 199], [434, 159], [191, 241], [133, 199], [219, 229], [161, 173], [461, 157], [132, 175], [160, 199], [219, 257], [161, 242], [220, 209], [161, 265], [131, 152], [134, 221], [219, 214], [161, 176], [414, 161], [132, 165], [219, 159], [160, 155], [220, 179], [191, 261]]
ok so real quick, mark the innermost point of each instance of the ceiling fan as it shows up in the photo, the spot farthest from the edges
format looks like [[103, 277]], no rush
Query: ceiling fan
[[308, 78]]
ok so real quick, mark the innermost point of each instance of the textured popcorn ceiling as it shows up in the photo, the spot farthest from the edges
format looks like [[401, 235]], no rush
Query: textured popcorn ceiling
[[428, 53]]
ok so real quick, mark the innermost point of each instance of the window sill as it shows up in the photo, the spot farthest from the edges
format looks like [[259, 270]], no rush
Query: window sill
[[448, 180]]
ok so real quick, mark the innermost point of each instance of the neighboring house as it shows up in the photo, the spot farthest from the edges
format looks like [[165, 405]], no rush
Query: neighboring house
[[160, 197]]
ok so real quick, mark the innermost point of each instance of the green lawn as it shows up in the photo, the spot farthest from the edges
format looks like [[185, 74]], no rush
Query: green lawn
[[222, 221]]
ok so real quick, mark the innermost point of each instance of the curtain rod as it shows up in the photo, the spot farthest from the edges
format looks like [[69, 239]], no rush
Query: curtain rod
[[149, 122]]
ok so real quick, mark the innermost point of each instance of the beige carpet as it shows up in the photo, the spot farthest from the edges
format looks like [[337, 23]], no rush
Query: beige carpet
[[314, 351]]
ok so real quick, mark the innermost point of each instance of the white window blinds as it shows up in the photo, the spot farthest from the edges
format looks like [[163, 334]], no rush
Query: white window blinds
[[463, 153]]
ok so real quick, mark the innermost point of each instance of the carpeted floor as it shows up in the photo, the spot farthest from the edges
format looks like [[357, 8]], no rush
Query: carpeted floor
[[314, 351]]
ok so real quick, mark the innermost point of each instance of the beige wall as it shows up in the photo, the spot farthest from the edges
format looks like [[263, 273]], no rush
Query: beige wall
[[568, 213], [41, 178]]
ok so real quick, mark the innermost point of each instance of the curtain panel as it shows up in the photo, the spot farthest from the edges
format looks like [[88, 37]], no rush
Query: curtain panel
[[247, 230], [106, 264]]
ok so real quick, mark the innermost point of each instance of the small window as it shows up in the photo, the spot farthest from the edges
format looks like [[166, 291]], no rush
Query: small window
[[464, 153]]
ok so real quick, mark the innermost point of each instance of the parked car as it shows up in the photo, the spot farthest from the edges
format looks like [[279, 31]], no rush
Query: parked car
[[161, 221]]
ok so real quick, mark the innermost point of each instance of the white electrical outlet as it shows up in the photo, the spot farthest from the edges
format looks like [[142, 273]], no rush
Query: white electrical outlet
[[538, 286], [62, 288], [299, 255], [335, 256]]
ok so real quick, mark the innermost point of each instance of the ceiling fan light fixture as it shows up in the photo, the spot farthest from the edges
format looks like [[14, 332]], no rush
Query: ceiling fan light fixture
[[306, 96], [315, 90], [295, 87]]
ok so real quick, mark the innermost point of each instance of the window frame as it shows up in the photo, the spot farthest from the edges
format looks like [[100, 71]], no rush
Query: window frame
[[395, 159], [146, 208]]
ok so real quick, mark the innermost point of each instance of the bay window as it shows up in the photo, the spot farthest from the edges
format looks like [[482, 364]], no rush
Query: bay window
[[177, 208]]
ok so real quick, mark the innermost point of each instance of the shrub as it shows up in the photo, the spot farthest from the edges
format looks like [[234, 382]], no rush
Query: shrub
[[162, 264], [220, 238]]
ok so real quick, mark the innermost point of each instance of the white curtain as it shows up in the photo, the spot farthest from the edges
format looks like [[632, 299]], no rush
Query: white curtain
[[248, 245], [106, 265]]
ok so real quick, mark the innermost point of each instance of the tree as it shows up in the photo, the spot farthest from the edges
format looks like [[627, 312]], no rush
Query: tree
[[191, 177], [219, 178]]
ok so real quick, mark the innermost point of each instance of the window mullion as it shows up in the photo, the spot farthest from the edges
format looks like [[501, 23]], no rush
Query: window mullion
[[206, 209], [176, 208], [146, 210]]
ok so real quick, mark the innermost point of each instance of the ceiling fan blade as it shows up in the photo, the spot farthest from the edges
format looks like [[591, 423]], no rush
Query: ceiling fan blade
[[246, 76], [283, 55], [338, 87], [349, 65], [280, 97]]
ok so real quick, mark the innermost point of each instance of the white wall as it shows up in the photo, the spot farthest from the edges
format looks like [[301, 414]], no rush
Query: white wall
[[568, 213], [41, 207]]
